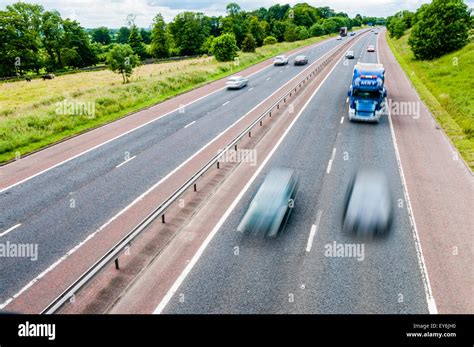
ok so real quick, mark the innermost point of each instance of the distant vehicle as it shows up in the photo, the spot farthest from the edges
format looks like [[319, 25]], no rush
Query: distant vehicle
[[236, 82], [352, 33], [339, 38], [368, 208], [350, 55], [367, 93], [343, 31], [280, 60], [376, 32], [371, 48], [301, 60], [272, 204]]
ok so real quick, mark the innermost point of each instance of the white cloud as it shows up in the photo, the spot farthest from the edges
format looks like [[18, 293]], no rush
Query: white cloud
[[113, 13]]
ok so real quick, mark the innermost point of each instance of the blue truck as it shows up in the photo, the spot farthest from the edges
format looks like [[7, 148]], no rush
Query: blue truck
[[367, 93]]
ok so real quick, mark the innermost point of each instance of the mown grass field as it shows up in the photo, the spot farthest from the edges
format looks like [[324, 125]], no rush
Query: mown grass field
[[29, 117], [446, 85]]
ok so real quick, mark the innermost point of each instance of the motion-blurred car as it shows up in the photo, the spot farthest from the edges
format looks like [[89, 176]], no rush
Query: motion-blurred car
[[368, 209], [352, 33], [339, 38], [371, 48], [301, 60], [272, 204], [350, 55], [236, 82], [280, 60]]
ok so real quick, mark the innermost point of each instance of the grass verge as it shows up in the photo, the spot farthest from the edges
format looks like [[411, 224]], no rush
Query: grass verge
[[446, 87]]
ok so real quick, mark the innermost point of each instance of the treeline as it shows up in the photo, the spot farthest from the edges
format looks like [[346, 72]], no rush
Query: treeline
[[438, 28], [33, 40]]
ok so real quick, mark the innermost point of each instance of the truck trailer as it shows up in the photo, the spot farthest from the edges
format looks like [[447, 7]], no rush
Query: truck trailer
[[367, 93], [343, 31]]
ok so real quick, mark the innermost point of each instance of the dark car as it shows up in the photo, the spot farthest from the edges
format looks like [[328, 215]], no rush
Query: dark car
[[272, 203], [301, 60], [368, 206], [352, 33]]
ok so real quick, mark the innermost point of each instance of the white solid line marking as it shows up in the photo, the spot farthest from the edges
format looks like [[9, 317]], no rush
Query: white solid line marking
[[250, 89], [328, 170], [159, 309], [430, 300], [312, 233], [269, 78], [11, 229], [347, 100], [226, 103], [188, 125], [126, 161], [342, 119]]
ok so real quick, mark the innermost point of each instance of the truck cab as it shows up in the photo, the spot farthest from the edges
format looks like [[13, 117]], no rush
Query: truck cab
[[367, 93]]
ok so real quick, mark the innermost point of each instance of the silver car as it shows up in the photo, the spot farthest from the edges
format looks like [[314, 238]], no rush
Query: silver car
[[280, 60], [272, 204], [368, 209], [236, 82]]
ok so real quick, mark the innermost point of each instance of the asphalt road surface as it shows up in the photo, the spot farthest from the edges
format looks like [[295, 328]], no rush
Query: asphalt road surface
[[294, 273]]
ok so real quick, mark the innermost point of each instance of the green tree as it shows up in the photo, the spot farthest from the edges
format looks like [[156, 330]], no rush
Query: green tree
[[330, 26], [316, 30], [396, 27], [278, 29], [76, 39], [225, 47], [159, 38], [146, 36], [291, 33], [52, 35], [20, 40], [270, 40], [235, 23], [256, 30], [122, 35], [326, 12], [121, 59], [135, 41], [304, 15], [207, 45], [442, 27], [101, 35], [189, 30], [249, 44], [277, 12], [302, 33]]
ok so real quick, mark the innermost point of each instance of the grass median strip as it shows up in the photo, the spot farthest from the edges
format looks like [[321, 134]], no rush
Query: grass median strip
[[39, 113], [446, 86]]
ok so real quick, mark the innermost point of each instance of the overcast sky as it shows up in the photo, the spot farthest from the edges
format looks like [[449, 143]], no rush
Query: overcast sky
[[113, 13]]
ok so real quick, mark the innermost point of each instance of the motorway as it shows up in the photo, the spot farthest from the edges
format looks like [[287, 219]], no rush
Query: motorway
[[61, 207], [209, 267], [293, 274]]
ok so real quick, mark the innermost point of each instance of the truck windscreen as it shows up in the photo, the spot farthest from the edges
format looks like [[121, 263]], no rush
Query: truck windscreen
[[372, 95]]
